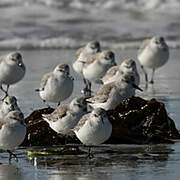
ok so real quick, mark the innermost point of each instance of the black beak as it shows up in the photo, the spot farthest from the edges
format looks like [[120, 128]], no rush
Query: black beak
[[136, 87]]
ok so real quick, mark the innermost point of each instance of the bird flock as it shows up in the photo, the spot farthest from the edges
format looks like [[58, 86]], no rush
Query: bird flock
[[85, 115]]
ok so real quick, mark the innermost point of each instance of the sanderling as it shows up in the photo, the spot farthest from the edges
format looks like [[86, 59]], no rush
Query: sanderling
[[12, 70], [83, 53], [12, 131], [96, 66], [93, 128], [56, 86], [153, 53], [82, 56], [8, 104], [110, 95], [66, 116], [114, 72]]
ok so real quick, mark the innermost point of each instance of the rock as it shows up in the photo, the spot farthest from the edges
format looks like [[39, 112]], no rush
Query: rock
[[39, 133], [134, 121], [139, 121]]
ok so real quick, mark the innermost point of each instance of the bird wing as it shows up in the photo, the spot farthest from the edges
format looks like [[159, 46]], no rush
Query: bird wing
[[143, 45], [59, 113], [78, 52], [45, 79], [4, 121], [105, 89], [98, 99], [2, 58], [90, 59], [81, 122], [112, 71]]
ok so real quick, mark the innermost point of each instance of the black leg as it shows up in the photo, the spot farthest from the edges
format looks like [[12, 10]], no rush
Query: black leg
[[145, 74], [89, 88], [2, 89], [152, 78], [85, 82], [90, 154], [7, 89], [85, 90], [6, 93], [11, 155]]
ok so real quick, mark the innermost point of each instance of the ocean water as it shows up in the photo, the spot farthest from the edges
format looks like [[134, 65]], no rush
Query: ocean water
[[48, 32], [49, 24]]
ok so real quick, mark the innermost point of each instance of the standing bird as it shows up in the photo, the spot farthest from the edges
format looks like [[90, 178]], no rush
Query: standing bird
[[56, 86], [8, 104], [153, 53], [115, 72], [96, 67], [66, 116], [94, 128], [12, 132], [12, 70], [110, 95], [83, 53]]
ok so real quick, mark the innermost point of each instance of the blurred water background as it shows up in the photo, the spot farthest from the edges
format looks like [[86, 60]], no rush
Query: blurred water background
[[48, 32], [70, 23]]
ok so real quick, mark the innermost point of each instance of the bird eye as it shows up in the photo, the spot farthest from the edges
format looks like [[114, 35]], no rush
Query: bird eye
[[95, 115], [108, 56], [6, 102], [111, 55], [79, 105], [61, 70]]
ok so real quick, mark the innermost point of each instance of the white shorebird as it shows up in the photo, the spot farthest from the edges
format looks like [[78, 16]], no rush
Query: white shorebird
[[82, 56], [8, 104], [66, 116], [110, 95], [83, 53], [12, 70], [96, 66], [93, 128], [12, 132], [153, 53], [56, 86], [128, 65]]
